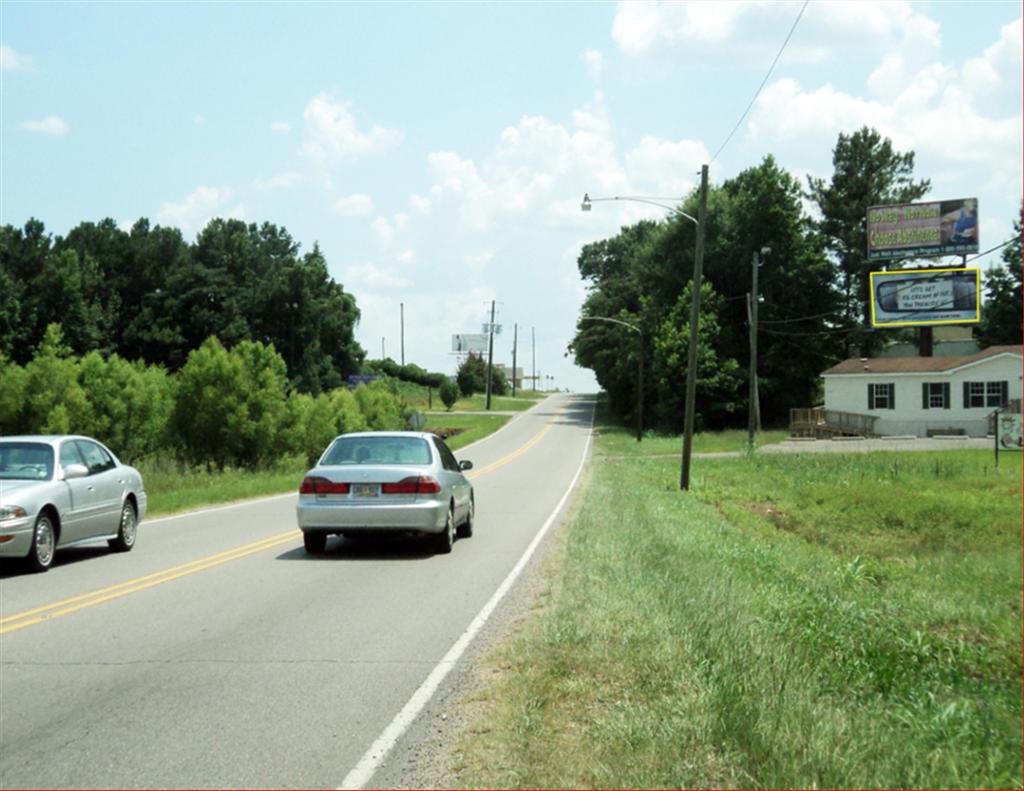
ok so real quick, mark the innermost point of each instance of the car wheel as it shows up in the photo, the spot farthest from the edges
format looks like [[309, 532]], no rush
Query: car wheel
[[466, 528], [127, 530], [315, 542], [445, 540], [44, 542]]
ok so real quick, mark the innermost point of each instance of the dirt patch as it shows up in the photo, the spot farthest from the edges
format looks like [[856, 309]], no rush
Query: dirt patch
[[444, 433]]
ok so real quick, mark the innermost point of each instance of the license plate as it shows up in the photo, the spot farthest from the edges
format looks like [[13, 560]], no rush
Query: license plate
[[365, 490]]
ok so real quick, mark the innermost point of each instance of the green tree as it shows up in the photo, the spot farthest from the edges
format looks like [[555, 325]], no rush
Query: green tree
[[54, 401], [868, 171], [1001, 320], [230, 404], [719, 378], [449, 392], [472, 375]]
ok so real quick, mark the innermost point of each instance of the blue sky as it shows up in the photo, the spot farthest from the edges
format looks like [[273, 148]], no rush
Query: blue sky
[[438, 151]]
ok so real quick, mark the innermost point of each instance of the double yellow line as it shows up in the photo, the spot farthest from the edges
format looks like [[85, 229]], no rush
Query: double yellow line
[[13, 623]]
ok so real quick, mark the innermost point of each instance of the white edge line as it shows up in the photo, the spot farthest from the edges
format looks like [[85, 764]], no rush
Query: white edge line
[[374, 757]]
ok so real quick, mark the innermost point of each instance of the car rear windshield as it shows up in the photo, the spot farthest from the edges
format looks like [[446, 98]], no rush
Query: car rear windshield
[[378, 450], [26, 461]]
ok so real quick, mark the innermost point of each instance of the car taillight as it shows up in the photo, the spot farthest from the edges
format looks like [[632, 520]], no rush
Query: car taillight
[[414, 484], [314, 484]]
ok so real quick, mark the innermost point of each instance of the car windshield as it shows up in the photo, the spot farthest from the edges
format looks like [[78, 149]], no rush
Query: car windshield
[[378, 450], [26, 461]]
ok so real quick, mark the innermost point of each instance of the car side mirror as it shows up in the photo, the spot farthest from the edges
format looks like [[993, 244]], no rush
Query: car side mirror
[[72, 471], [465, 465]]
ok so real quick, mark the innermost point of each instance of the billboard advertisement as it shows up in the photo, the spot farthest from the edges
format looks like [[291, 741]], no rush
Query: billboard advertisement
[[466, 343], [923, 230], [921, 297]]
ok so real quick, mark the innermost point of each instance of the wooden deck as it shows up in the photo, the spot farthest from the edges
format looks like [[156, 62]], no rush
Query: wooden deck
[[822, 423]]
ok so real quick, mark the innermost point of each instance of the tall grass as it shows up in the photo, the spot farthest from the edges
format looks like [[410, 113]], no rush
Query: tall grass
[[842, 621]]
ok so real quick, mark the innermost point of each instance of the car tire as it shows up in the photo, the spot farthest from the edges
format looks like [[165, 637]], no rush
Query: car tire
[[44, 543], [445, 540], [466, 528], [315, 542], [127, 530]]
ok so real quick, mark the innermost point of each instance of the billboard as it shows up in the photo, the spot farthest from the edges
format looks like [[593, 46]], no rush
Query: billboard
[[921, 297], [464, 344], [922, 230]]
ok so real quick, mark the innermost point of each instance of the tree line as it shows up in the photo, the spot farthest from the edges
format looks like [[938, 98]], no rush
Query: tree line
[[223, 407], [148, 294], [813, 284]]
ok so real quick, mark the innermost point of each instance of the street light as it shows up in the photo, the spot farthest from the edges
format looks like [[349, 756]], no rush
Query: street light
[[640, 370], [698, 266]]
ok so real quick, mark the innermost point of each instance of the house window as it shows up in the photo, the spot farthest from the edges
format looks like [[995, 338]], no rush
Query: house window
[[996, 393], [882, 396], [984, 394], [935, 395]]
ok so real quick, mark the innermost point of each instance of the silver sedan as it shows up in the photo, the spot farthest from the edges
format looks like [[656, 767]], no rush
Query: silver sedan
[[375, 482], [61, 491]]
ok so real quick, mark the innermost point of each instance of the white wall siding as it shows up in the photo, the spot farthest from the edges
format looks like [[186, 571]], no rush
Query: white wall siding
[[849, 393]]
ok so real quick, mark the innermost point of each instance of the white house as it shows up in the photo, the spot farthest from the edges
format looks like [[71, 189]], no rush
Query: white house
[[915, 395]]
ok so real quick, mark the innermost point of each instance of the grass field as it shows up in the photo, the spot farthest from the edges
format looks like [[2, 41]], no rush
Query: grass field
[[797, 621]]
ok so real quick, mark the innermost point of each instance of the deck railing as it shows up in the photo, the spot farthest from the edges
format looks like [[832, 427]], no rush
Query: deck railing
[[820, 422]]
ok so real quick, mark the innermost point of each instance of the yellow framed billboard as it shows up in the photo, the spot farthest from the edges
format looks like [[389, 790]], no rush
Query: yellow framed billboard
[[923, 297]]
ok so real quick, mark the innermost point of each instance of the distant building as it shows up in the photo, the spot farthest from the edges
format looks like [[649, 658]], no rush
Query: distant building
[[508, 375], [918, 395]]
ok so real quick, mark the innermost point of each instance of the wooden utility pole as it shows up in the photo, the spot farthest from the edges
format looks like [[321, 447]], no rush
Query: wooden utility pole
[[401, 309], [490, 356], [515, 340], [691, 366]]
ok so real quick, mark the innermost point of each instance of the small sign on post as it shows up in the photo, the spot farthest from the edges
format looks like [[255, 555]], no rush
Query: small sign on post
[[417, 420], [1009, 432]]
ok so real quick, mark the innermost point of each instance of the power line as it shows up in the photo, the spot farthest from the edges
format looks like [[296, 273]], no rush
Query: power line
[[763, 82]]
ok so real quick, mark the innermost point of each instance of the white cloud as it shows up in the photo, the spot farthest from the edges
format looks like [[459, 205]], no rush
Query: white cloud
[[407, 256], [357, 205], [14, 61], [671, 167], [198, 120], [594, 61], [700, 30], [420, 204], [51, 125], [986, 73], [332, 135], [383, 230], [373, 276], [285, 180], [198, 208], [281, 127]]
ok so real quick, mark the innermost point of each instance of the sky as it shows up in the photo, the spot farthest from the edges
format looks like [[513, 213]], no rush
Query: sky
[[438, 152]]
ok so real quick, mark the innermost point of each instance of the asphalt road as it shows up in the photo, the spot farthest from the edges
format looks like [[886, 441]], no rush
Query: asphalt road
[[217, 654]]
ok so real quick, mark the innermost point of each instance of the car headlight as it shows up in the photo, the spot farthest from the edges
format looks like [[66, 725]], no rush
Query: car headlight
[[11, 512]]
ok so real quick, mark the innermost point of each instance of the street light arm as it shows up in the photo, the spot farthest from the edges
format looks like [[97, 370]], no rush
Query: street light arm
[[613, 321], [653, 201]]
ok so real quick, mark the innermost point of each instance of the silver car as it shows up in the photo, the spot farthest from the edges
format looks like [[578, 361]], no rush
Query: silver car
[[375, 482], [61, 491]]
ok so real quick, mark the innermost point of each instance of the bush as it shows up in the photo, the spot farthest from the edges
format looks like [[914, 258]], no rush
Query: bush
[[472, 375], [449, 392], [380, 408], [54, 402], [230, 405]]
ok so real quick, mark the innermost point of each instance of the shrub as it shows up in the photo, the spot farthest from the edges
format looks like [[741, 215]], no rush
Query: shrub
[[449, 392]]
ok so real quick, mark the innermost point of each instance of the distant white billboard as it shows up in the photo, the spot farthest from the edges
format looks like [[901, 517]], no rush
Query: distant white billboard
[[469, 343], [921, 297]]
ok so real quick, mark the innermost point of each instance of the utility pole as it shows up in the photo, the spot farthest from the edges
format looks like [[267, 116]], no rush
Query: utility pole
[[691, 365], [754, 405], [515, 340], [382, 355], [490, 356], [533, 345], [401, 309]]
